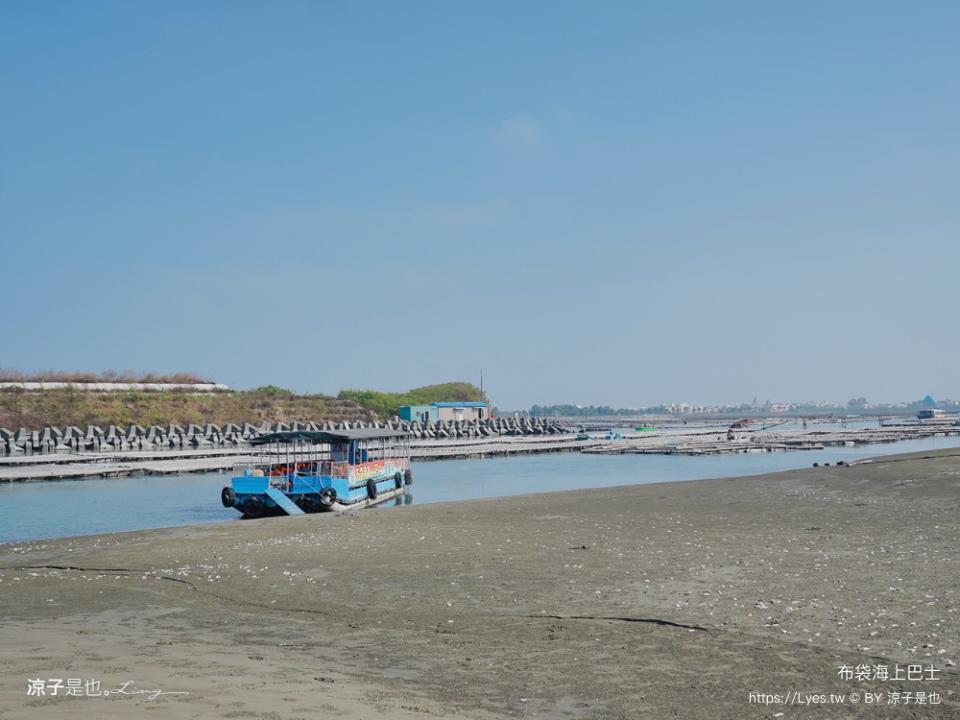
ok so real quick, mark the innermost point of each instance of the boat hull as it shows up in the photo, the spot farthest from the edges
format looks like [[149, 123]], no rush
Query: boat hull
[[398, 497]]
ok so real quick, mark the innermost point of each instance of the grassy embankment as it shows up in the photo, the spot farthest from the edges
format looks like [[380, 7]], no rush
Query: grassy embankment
[[387, 404], [33, 410], [36, 409]]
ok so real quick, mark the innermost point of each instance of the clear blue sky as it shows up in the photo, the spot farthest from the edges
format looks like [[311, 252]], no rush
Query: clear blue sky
[[624, 203]]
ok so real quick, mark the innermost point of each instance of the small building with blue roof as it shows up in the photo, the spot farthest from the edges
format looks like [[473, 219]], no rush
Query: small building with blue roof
[[446, 411], [419, 413]]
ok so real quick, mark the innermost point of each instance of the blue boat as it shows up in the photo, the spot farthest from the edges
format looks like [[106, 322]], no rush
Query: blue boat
[[306, 471]]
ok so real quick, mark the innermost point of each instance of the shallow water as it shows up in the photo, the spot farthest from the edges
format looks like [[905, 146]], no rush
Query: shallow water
[[30, 511]]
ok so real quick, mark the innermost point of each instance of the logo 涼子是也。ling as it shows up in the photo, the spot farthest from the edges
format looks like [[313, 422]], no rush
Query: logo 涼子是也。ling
[[78, 687]]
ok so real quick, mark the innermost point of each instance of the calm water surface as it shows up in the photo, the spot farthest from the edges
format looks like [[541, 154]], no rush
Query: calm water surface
[[30, 511]]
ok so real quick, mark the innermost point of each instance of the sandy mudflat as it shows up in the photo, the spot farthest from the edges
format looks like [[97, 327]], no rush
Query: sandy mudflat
[[654, 601]]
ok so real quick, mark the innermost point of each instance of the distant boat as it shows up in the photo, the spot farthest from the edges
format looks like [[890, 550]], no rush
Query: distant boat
[[646, 427]]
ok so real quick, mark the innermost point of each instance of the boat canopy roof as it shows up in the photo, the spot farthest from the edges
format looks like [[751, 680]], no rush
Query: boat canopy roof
[[327, 436]]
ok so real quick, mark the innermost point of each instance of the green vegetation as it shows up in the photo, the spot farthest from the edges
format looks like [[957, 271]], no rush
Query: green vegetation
[[71, 406], [272, 391], [36, 409], [386, 404]]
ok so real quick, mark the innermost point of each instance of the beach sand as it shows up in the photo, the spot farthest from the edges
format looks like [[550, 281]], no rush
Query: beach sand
[[673, 600]]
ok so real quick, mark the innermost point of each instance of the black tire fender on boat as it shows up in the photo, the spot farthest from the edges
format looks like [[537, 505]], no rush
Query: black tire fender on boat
[[408, 476], [327, 497], [306, 503], [228, 497], [372, 489], [253, 507], [398, 481]]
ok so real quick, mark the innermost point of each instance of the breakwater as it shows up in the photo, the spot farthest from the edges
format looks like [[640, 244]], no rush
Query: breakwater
[[64, 466], [55, 454], [93, 438]]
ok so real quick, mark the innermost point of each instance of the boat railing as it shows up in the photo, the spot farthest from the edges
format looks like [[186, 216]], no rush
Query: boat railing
[[308, 468], [275, 469]]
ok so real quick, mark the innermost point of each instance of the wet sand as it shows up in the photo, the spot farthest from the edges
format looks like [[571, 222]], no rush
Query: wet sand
[[672, 600]]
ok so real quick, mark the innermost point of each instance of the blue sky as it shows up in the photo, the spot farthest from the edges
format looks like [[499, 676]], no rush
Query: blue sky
[[618, 203]]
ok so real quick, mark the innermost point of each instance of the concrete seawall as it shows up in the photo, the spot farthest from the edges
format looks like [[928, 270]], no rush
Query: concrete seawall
[[200, 454], [55, 453], [53, 439], [64, 466]]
